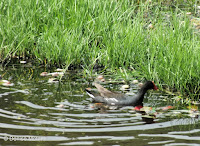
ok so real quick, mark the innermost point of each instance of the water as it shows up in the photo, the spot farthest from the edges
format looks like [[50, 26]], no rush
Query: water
[[36, 112]]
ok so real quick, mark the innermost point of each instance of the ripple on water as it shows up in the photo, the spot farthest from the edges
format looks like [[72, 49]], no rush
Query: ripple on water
[[78, 122]]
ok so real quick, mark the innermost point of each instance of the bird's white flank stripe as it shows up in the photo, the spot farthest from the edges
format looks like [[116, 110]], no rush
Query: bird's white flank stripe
[[90, 95]]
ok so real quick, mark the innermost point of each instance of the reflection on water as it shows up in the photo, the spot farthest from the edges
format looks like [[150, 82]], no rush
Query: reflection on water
[[61, 113]]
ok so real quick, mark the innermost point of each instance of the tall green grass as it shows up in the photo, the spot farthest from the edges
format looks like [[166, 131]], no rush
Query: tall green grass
[[111, 33]]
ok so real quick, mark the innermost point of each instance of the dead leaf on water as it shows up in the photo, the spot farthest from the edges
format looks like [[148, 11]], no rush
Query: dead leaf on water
[[59, 70], [23, 62], [167, 108], [189, 13], [52, 80], [44, 74], [192, 107], [60, 106], [135, 81], [56, 74], [150, 26], [6, 83], [125, 87], [195, 102]]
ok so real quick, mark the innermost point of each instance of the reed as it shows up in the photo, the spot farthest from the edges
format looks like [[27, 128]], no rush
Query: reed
[[115, 34]]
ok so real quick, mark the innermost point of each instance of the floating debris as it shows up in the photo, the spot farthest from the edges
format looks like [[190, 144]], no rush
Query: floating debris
[[60, 106], [52, 80], [195, 102], [100, 78], [23, 62], [59, 70], [150, 26], [193, 114], [165, 108], [198, 7], [125, 87], [54, 74], [6, 83], [193, 107], [44, 74], [189, 13], [135, 81], [61, 73]]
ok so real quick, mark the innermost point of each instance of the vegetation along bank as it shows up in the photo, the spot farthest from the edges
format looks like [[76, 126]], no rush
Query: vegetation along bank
[[156, 40]]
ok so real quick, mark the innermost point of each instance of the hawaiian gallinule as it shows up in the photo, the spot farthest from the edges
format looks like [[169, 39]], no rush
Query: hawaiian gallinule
[[112, 98]]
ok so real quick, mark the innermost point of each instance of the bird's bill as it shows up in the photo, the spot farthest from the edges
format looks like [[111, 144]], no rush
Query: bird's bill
[[155, 87]]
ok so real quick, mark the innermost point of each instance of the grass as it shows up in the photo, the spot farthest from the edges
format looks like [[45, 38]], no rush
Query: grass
[[114, 34]]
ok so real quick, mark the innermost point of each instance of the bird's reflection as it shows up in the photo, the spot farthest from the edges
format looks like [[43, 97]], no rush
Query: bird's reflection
[[104, 109]]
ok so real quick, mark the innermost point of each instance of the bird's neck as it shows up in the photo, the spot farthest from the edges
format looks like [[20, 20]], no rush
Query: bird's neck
[[141, 92]]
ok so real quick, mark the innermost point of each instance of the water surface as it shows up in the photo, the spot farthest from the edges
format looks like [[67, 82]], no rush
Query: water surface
[[35, 111]]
